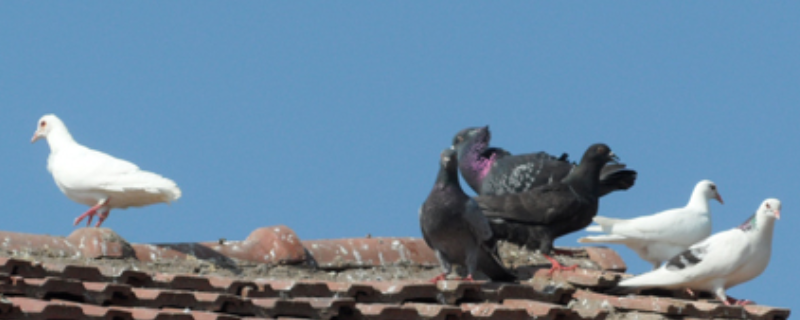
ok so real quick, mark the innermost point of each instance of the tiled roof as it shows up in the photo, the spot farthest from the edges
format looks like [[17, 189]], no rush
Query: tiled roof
[[95, 274]]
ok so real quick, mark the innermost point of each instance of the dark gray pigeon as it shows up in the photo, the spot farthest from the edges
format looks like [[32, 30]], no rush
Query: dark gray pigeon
[[535, 218], [494, 171], [454, 233]]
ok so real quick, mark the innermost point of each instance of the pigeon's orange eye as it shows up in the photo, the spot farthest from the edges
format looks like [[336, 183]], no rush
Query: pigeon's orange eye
[[43, 124]]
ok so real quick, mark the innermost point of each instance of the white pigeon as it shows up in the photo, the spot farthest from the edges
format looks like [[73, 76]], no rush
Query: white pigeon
[[661, 236], [721, 261], [97, 179]]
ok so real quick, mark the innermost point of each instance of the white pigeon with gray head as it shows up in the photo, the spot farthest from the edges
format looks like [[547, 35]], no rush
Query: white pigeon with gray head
[[661, 236], [719, 262], [97, 179]]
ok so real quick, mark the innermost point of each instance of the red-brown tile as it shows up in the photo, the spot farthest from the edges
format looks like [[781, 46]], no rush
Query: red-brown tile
[[39, 309], [224, 303], [452, 291], [370, 252], [539, 310], [104, 293], [157, 298], [277, 307], [361, 292], [435, 311], [157, 252], [74, 272], [291, 288], [767, 313], [21, 268], [262, 289], [97, 312], [543, 291], [135, 278], [382, 311], [100, 243], [584, 278], [328, 308], [34, 243], [50, 288], [270, 245], [230, 285], [183, 282], [400, 291], [641, 303], [158, 314], [492, 311], [201, 315], [606, 259]]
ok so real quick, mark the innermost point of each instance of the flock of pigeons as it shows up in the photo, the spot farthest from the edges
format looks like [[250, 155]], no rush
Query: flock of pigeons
[[532, 199]]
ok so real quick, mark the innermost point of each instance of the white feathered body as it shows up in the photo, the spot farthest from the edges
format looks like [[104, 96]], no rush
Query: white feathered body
[[731, 258], [87, 176], [658, 237], [721, 261], [655, 238]]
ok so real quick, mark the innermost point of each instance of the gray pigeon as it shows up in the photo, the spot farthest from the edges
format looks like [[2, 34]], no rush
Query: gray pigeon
[[537, 217], [456, 234], [495, 171]]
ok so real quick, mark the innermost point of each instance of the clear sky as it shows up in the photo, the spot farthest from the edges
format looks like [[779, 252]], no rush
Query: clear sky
[[330, 117]]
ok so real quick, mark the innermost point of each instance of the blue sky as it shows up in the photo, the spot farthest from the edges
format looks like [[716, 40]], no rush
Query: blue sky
[[329, 117]]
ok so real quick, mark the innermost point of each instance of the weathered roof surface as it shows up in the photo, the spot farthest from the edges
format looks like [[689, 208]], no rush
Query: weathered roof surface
[[272, 274]]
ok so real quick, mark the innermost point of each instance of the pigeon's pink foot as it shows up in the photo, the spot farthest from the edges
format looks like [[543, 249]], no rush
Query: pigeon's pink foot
[[438, 278], [468, 278], [731, 301], [101, 217], [93, 211], [557, 266], [89, 213], [691, 293]]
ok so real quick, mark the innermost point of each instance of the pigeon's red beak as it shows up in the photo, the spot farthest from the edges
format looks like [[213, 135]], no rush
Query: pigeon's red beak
[[719, 198], [777, 214]]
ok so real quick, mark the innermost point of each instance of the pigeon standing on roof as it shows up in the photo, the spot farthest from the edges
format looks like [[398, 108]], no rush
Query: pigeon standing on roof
[[494, 171], [455, 234], [661, 236], [719, 262], [535, 218], [97, 179]]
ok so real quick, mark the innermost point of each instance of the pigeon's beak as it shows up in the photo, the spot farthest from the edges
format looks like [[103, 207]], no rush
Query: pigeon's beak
[[36, 136], [719, 198], [777, 214], [613, 157]]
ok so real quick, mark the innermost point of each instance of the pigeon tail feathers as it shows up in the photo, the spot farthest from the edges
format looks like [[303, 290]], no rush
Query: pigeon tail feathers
[[615, 177], [604, 239]]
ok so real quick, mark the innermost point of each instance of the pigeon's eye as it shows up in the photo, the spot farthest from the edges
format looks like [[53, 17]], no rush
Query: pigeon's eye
[[42, 124], [713, 187], [768, 206]]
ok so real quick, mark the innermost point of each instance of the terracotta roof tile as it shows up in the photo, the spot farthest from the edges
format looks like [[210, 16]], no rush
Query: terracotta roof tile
[[274, 275], [371, 252], [492, 311], [540, 310]]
